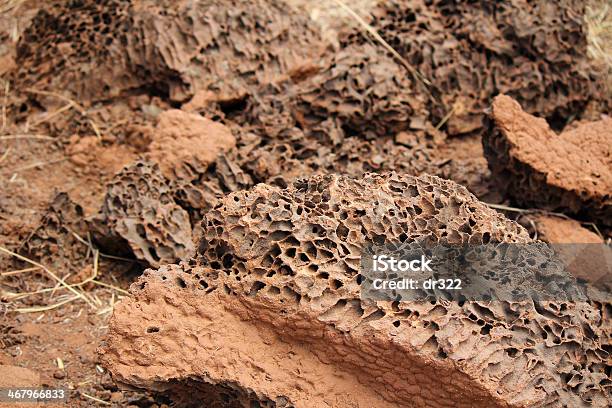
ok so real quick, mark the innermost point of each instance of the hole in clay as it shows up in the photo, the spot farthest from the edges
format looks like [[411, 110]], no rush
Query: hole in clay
[[154, 254], [287, 291], [256, 287], [228, 261], [377, 315], [286, 270], [486, 238], [233, 105], [512, 352], [342, 231], [336, 284], [181, 283], [396, 323], [152, 329]]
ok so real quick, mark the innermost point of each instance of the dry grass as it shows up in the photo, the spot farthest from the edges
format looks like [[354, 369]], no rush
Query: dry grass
[[7, 6], [77, 289], [331, 18], [598, 19], [417, 76]]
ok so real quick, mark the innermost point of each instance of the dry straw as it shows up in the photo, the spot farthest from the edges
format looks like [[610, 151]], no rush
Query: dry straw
[[598, 20]]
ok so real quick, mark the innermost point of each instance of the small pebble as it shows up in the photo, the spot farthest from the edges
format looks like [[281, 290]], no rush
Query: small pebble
[[116, 396], [59, 374]]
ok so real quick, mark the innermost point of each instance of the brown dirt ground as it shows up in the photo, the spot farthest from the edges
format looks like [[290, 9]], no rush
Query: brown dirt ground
[[31, 171]]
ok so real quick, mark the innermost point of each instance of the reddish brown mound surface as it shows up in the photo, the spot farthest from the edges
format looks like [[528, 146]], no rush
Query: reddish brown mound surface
[[270, 311], [102, 49], [583, 251], [54, 242], [365, 90], [139, 211], [558, 230], [535, 51], [186, 143], [569, 172]]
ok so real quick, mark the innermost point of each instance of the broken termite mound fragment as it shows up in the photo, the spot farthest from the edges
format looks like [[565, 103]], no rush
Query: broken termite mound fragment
[[151, 206], [367, 91], [58, 241], [139, 213], [570, 172], [269, 311], [195, 154], [175, 48], [555, 229], [186, 143], [534, 51]]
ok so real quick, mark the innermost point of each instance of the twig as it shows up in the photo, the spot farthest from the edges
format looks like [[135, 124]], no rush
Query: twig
[[39, 164], [53, 275], [90, 279], [54, 114], [26, 136], [59, 96], [73, 104], [413, 71], [10, 273], [93, 248], [96, 130], [95, 399], [45, 308], [106, 285], [506, 208], [594, 226], [54, 289], [5, 155], [446, 118], [6, 92]]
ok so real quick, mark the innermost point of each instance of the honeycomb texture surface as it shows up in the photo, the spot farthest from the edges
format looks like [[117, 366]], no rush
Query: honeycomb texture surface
[[366, 90], [101, 49], [139, 209], [53, 242], [535, 51], [280, 267]]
